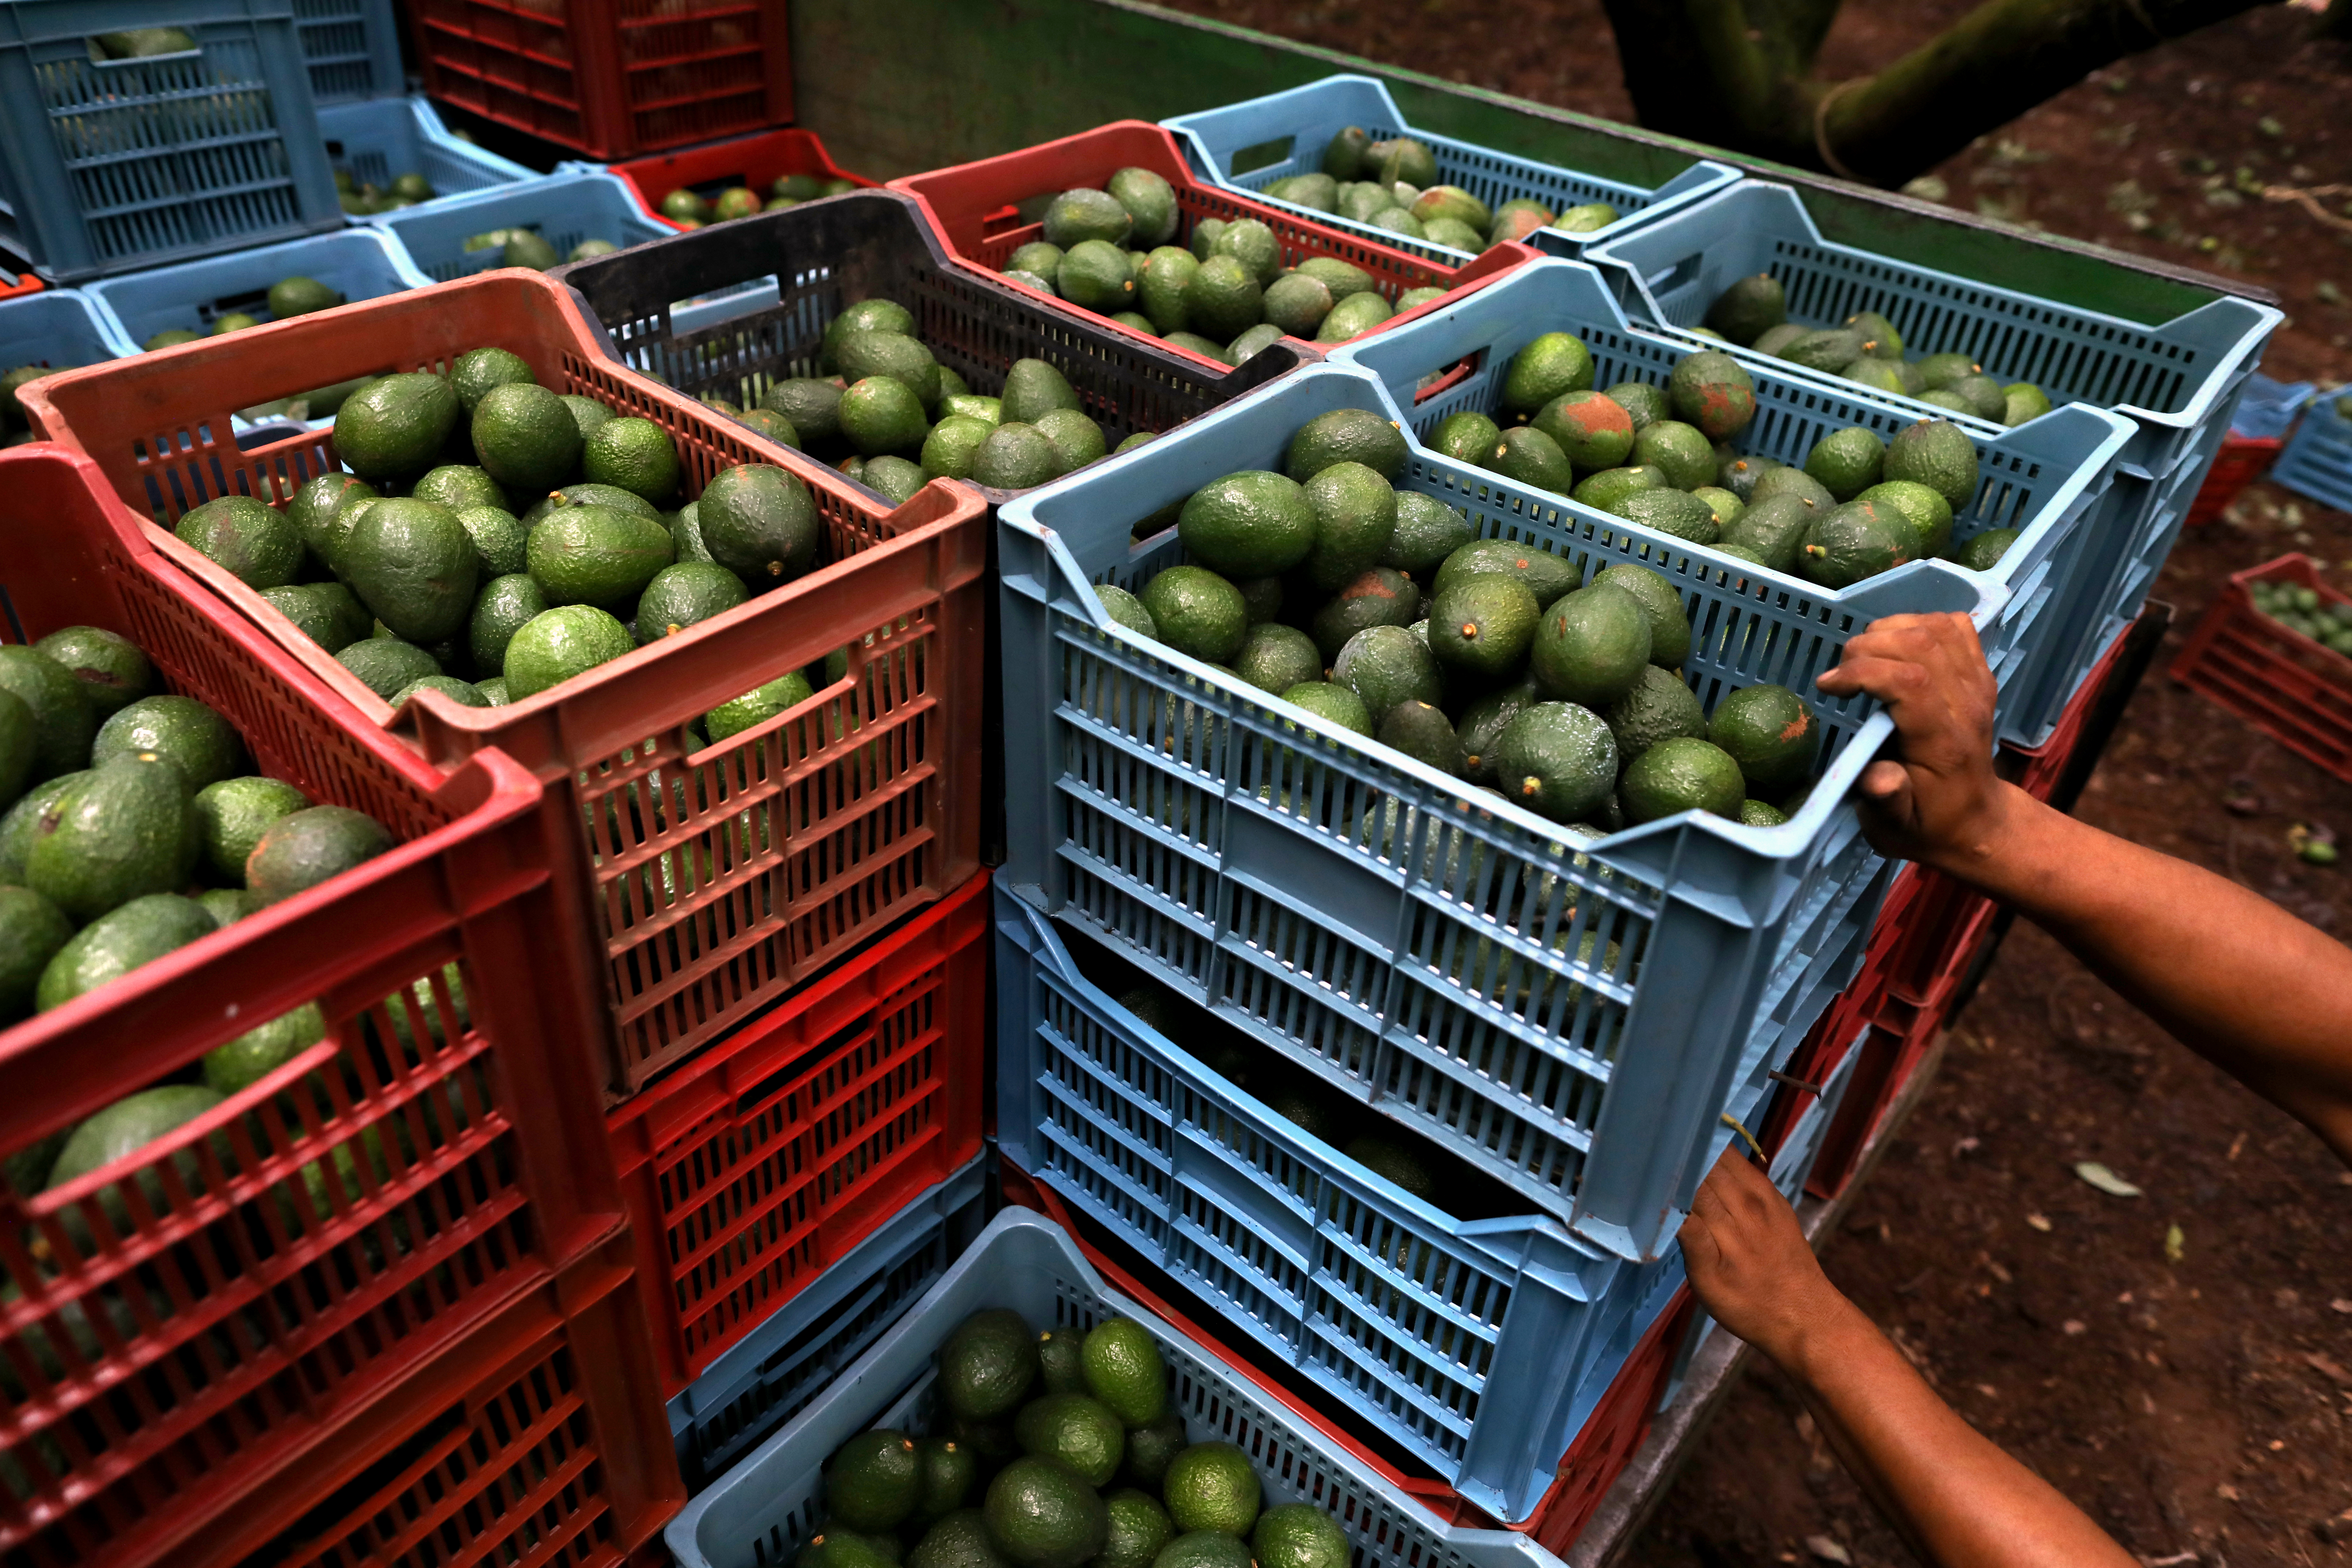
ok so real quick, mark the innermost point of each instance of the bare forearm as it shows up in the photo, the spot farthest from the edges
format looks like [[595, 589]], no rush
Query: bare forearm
[[2230, 974]]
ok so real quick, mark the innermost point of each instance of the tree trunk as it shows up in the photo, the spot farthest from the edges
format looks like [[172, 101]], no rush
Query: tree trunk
[[1737, 73]]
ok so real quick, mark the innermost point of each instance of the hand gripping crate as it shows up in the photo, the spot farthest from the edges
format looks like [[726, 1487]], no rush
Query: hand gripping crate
[[195, 1315], [975, 209], [537, 1438], [377, 140], [2178, 382], [736, 344], [2053, 481], [861, 829], [1284, 133], [756, 162], [2317, 461], [1372, 919], [357, 263], [562, 208], [755, 1166], [2292, 687], [611, 78], [112, 165], [768, 1506], [770, 1376]]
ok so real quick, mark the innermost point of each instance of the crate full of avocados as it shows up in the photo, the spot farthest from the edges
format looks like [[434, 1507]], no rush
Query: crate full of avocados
[[290, 1059], [1563, 983], [753, 686]]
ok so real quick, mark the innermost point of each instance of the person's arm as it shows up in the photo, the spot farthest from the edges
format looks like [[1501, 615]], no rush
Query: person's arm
[[2232, 976], [1956, 1498]]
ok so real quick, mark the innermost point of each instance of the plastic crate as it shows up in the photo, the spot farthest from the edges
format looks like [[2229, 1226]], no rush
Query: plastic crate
[[377, 140], [59, 328], [2240, 462], [536, 1439], [109, 166], [853, 247], [755, 161], [757, 1164], [2317, 461], [351, 46], [767, 1506], [1284, 133], [611, 78], [2055, 479], [1359, 914], [14, 285], [564, 208], [358, 263], [976, 209], [2291, 687], [880, 822], [269, 1309], [773, 1374]]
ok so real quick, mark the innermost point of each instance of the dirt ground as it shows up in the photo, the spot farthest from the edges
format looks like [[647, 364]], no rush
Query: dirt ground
[[2196, 1398]]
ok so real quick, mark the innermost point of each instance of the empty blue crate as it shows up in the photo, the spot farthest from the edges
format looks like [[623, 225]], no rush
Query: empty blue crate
[[773, 1375], [378, 140], [762, 1512], [564, 208], [2053, 481], [357, 263], [110, 165], [58, 329], [2317, 458], [1569, 1017], [350, 48], [1248, 146]]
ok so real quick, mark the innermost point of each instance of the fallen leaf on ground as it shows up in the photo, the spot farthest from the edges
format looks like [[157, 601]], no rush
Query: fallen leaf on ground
[[2038, 1221], [2326, 1368], [1827, 1550], [2175, 1244], [2106, 1180]]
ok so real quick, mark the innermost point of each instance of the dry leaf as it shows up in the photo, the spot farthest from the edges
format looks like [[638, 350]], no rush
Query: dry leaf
[[2106, 1180]]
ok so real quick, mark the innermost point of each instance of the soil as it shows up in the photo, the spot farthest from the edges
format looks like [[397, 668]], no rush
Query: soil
[[2196, 1399]]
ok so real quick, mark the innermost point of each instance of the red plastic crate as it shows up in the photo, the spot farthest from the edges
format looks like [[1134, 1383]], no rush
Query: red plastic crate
[[263, 1310], [759, 1163], [539, 1439], [2241, 460], [2290, 688], [756, 162], [858, 829], [14, 284], [976, 208], [611, 78], [1614, 1431]]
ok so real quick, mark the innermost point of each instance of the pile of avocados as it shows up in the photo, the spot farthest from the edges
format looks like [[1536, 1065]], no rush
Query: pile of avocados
[[1057, 1449], [1503, 671], [1228, 296], [288, 296], [1663, 457], [1867, 350], [133, 823], [2300, 609], [528, 247], [690, 210], [1392, 185], [360, 198], [491, 540]]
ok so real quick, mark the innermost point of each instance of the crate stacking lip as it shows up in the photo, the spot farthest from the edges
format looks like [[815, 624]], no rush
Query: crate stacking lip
[[768, 1506], [2053, 480], [975, 209], [376, 141], [113, 166], [1284, 133], [199, 1310], [1385, 925], [357, 263], [705, 915], [701, 312], [562, 208]]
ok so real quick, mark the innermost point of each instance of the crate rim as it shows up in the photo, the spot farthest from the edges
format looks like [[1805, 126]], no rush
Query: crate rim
[[626, 170], [366, 236], [433, 129]]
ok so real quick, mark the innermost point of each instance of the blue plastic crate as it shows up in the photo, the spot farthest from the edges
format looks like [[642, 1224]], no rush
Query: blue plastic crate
[[2317, 458], [352, 48], [110, 166], [2053, 479], [1391, 928], [59, 328], [770, 1376], [1299, 123], [759, 1513], [1465, 1339], [378, 140], [564, 208], [358, 263]]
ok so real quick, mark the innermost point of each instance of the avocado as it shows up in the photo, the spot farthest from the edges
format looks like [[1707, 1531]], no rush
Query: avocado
[[1771, 733], [1466, 436], [946, 1474], [1791, 481], [1345, 436], [1643, 403], [1556, 759], [1591, 646], [180, 730], [1299, 1535], [1204, 1549], [1928, 513], [1670, 631], [1385, 666], [879, 415], [1740, 475], [1945, 398], [18, 735], [1150, 1449], [1015, 457], [1681, 452], [115, 943], [1549, 366], [1750, 307], [1527, 455], [462, 692], [1060, 1363], [290, 297], [1712, 392], [1880, 340], [953, 445], [1355, 512], [1726, 506], [32, 930], [22, 822], [387, 664], [1593, 430], [1427, 530], [1198, 612], [1380, 597], [1076, 440], [456, 485], [2023, 401], [1983, 395], [1043, 1514], [126, 830], [872, 314], [1878, 374], [1605, 491], [1481, 723], [257, 544], [1938, 455], [812, 406], [1212, 1487], [553, 647], [597, 556], [633, 455], [1164, 291], [231, 814], [1681, 775], [1140, 1530], [238, 1064], [1938, 371], [121, 1131], [1659, 708], [682, 596], [987, 1365], [1076, 1429], [959, 1540], [1353, 317], [1127, 610], [1847, 461], [1772, 530], [1078, 216], [1983, 552], [757, 706], [1334, 705], [306, 847], [110, 669], [759, 522], [1483, 623], [1832, 349], [1546, 575], [64, 721], [474, 373], [872, 1481], [395, 428], [1856, 541], [413, 564], [1675, 512], [1424, 733]]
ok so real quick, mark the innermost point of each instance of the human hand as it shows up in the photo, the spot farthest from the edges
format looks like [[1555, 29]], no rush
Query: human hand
[[1933, 797], [1750, 1265]]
